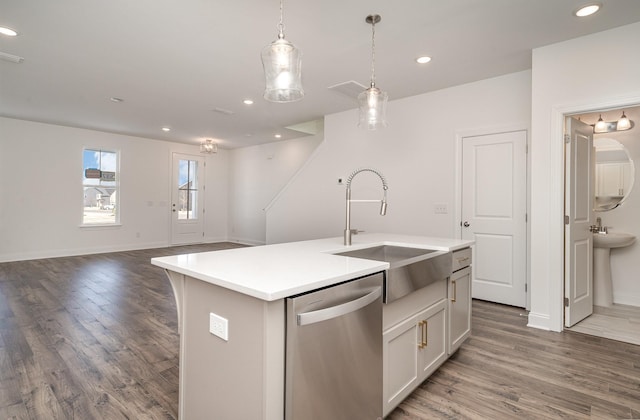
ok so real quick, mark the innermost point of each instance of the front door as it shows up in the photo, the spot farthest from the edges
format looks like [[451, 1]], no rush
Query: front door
[[187, 199], [579, 216], [494, 201]]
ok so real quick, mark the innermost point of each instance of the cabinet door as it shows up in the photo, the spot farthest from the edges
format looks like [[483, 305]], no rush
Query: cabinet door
[[412, 350], [459, 308], [433, 333], [400, 362]]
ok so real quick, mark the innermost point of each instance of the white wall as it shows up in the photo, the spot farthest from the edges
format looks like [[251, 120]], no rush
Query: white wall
[[582, 74], [416, 153], [41, 192], [625, 262], [256, 176]]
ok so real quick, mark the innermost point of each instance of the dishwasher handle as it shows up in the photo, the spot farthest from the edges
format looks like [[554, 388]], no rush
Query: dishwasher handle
[[312, 317]]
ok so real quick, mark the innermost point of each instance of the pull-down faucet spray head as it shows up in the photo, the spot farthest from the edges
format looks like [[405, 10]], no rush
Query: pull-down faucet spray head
[[383, 202]]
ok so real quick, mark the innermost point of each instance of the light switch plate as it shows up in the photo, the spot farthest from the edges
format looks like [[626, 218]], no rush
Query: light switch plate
[[440, 208], [219, 326]]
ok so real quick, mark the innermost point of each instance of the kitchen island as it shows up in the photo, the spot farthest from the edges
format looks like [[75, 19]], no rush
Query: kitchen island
[[234, 366]]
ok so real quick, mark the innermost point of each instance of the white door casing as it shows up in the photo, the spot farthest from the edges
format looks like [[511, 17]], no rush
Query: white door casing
[[187, 199], [493, 214], [579, 217]]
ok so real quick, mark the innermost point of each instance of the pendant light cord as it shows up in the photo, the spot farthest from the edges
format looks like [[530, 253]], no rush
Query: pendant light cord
[[281, 24], [373, 53]]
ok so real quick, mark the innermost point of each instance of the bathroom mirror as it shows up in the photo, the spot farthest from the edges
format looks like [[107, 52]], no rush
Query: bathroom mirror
[[615, 173]]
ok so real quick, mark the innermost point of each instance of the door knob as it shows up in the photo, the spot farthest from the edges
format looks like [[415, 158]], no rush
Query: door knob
[[466, 224]]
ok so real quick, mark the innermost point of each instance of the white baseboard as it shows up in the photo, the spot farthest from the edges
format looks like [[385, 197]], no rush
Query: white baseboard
[[540, 321], [245, 241], [626, 299], [70, 252]]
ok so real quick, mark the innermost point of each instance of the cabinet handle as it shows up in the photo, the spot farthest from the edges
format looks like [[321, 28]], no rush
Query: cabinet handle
[[462, 260], [455, 290], [421, 340], [426, 333]]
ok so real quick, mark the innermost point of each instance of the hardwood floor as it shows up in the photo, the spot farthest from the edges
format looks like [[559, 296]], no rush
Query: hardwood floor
[[95, 337], [506, 370], [89, 337]]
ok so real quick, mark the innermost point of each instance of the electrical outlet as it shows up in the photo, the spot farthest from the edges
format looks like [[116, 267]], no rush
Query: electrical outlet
[[440, 208], [219, 326]]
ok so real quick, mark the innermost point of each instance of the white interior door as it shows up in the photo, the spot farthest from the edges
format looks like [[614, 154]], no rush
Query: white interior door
[[187, 199], [494, 201], [579, 196]]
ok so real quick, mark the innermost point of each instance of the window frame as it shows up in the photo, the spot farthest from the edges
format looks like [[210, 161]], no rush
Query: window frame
[[117, 210]]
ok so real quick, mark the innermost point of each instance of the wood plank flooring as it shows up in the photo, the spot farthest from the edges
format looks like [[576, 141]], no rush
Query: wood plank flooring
[[95, 337]]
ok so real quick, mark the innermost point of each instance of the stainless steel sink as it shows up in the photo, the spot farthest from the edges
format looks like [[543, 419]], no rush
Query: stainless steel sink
[[410, 269]]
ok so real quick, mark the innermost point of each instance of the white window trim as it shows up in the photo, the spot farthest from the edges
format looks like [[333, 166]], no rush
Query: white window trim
[[117, 223]]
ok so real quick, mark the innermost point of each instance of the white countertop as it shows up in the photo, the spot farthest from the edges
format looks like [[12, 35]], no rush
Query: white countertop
[[272, 272]]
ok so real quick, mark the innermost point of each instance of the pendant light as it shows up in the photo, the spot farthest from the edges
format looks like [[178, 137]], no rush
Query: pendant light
[[282, 63], [623, 123], [373, 101]]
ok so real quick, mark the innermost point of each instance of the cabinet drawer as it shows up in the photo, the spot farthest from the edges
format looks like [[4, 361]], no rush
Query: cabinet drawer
[[461, 259]]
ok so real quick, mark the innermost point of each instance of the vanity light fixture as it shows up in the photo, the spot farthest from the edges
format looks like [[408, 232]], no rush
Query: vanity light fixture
[[373, 101], [208, 147], [623, 123], [282, 63]]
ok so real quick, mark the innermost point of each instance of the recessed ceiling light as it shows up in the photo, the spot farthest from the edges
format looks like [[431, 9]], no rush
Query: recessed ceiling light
[[114, 99], [7, 31], [423, 59], [587, 10], [166, 129], [278, 136], [248, 102]]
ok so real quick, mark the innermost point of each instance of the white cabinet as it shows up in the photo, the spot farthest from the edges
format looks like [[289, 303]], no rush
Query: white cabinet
[[612, 179], [459, 308], [459, 302], [412, 350]]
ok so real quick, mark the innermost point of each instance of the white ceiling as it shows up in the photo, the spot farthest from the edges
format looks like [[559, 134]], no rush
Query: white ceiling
[[175, 61]]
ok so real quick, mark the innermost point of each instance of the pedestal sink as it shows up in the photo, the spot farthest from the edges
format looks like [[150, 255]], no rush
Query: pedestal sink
[[602, 244]]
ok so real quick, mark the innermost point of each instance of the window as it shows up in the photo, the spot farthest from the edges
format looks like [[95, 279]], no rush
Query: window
[[188, 190], [100, 184]]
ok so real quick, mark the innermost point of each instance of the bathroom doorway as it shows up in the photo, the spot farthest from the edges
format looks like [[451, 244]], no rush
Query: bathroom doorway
[[617, 204]]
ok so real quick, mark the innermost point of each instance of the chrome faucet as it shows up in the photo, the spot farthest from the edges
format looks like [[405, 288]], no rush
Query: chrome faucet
[[383, 203], [598, 228]]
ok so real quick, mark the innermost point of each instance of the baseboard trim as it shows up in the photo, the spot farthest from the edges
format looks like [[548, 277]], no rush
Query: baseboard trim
[[71, 252], [626, 299], [539, 321]]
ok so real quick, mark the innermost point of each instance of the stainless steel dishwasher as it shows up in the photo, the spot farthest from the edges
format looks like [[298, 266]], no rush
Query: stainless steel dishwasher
[[334, 352]]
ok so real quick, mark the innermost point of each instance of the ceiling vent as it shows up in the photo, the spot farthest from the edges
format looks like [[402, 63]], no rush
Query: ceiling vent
[[223, 111], [351, 89], [11, 58]]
